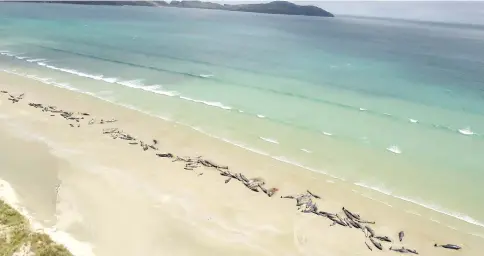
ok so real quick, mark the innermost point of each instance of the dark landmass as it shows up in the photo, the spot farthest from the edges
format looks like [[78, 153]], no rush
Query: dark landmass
[[276, 7]]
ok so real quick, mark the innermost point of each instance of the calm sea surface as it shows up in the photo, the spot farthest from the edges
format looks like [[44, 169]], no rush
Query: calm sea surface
[[390, 105]]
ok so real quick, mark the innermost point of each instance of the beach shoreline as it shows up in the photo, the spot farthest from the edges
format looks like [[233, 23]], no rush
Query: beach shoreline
[[301, 233]]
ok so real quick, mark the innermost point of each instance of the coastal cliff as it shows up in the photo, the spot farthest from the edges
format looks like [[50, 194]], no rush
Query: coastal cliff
[[275, 7]]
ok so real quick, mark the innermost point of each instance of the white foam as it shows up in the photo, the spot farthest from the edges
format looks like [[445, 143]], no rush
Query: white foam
[[20, 57], [330, 181], [466, 131], [456, 215], [8, 195], [110, 79], [7, 53], [394, 149], [138, 84], [209, 103], [241, 111], [306, 150], [206, 75], [35, 60], [71, 71], [269, 140], [261, 116], [327, 134], [363, 109], [387, 114], [413, 120]]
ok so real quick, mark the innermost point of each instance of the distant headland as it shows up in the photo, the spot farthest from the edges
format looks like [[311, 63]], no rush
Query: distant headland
[[275, 7]]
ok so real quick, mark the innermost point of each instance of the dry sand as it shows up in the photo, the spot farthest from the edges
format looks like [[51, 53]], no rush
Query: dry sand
[[121, 200]]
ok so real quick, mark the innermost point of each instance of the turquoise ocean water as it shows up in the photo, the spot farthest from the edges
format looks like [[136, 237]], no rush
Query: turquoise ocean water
[[394, 106]]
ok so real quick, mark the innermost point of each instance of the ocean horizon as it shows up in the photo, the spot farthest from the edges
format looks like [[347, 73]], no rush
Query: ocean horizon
[[390, 106]]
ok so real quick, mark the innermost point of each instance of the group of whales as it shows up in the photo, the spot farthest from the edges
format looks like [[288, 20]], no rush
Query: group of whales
[[304, 201]]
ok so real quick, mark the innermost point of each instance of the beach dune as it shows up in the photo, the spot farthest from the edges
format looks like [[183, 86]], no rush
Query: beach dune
[[113, 198]]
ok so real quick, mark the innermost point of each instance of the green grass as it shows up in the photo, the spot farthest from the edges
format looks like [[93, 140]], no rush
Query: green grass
[[15, 232]]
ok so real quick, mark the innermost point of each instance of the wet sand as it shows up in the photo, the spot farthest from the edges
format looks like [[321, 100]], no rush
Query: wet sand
[[122, 200]]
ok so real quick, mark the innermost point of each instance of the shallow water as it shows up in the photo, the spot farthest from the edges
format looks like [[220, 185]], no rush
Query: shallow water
[[390, 105]]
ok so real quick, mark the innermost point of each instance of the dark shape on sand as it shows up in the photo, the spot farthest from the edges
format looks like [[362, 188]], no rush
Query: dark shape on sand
[[376, 244], [325, 214], [449, 246], [337, 220], [348, 221], [355, 224], [227, 180], [411, 251], [208, 163], [351, 215], [401, 234], [403, 250], [370, 231], [383, 238], [168, 155], [313, 195], [367, 245]]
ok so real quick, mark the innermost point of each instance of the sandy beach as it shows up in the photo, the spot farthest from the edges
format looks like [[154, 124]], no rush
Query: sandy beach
[[114, 198]]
